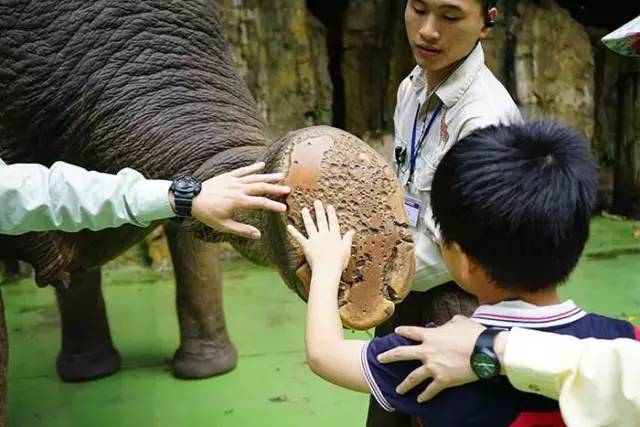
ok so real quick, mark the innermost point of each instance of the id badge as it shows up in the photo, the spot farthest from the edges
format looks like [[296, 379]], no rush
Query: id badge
[[413, 208]]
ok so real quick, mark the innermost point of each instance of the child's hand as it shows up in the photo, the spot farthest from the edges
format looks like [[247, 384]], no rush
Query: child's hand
[[324, 248]]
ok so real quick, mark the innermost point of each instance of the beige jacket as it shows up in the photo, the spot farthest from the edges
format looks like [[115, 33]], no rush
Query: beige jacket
[[472, 98]]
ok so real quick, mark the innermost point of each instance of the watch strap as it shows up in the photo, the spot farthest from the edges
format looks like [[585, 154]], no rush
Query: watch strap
[[484, 353], [486, 339]]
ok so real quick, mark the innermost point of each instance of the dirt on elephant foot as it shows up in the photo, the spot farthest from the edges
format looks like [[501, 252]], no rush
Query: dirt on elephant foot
[[80, 367], [202, 359]]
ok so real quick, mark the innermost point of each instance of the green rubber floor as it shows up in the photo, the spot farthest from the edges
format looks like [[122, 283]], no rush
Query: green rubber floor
[[271, 386]]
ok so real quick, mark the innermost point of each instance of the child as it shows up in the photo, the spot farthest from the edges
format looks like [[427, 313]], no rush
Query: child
[[513, 204]]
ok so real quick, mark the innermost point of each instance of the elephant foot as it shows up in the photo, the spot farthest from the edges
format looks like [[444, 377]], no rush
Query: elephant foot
[[198, 358], [79, 367]]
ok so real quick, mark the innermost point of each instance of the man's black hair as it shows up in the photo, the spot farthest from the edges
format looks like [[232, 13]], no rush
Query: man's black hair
[[518, 200], [488, 4]]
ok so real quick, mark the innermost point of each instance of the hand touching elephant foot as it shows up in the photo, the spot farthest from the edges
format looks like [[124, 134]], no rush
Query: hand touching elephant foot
[[333, 166], [328, 164], [203, 358]]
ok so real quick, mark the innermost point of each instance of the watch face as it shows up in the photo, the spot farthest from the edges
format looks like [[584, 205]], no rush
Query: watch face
[[483, 366], [184, 183]]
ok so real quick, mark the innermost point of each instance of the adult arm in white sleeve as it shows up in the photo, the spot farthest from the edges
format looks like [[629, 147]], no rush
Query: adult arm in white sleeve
[[69, 198], [597, 382]]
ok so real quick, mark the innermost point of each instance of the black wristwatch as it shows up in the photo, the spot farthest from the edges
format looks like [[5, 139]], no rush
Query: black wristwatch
[[484, 361], [184, 189]]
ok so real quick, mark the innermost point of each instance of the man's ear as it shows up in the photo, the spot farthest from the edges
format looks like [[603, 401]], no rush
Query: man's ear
[[490, 21]]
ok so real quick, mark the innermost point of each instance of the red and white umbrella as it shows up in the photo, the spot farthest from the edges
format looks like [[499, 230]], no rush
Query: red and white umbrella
[[626, 39]]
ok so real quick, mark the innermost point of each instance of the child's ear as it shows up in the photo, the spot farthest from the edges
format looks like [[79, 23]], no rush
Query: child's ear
[[466, 265]]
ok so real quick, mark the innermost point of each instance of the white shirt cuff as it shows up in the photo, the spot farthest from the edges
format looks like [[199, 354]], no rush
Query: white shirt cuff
[[151, 200]]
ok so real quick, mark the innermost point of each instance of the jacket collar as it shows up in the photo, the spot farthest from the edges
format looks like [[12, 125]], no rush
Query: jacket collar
[[456, 84]]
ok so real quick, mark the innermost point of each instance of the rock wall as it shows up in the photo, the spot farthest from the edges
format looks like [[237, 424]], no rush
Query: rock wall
[[280, 50], [554, 65], [374, 62]]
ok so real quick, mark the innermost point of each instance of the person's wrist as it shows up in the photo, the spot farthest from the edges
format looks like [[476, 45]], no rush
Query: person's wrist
[[195, 206], [498, 347], [327, 272]]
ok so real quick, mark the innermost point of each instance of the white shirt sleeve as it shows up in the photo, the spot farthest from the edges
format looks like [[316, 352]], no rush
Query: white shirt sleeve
[[69, 198], [597, 382]]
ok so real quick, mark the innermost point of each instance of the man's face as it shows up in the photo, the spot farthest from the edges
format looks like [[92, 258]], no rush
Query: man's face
[[442, 32]]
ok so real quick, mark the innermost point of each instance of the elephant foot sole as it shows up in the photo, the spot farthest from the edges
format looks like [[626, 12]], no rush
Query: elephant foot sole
[[81, 367], [201, 359]]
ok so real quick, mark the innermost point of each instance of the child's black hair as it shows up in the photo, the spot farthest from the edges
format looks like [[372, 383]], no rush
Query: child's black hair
[[518, 200]]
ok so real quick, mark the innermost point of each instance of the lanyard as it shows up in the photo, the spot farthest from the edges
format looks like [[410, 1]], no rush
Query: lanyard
[[416, 149]]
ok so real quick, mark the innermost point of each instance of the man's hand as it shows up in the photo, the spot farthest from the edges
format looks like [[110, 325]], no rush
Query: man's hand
[[325, 248], [224, 195], [445, 353]]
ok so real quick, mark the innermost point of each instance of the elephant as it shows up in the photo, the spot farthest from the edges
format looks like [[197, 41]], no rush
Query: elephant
[[151, 85]]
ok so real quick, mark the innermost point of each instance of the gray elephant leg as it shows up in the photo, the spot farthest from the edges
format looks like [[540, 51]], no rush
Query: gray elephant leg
[[87, 349], [205, 349], [4, 356]]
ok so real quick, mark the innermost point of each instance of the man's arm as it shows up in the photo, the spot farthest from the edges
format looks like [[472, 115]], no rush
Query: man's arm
[[69, 198], [329, 355], [597, 382]]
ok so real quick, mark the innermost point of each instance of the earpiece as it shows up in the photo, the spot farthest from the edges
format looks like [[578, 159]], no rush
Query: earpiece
[[489, 6], [489, 22]]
